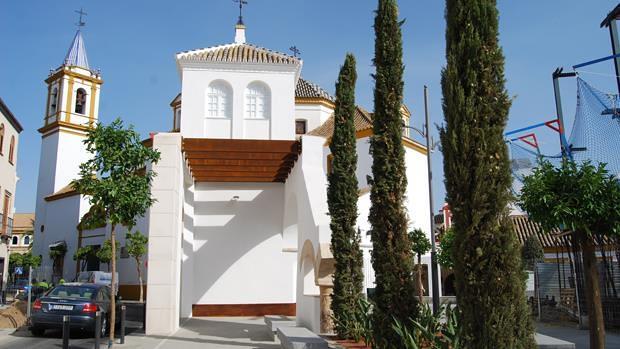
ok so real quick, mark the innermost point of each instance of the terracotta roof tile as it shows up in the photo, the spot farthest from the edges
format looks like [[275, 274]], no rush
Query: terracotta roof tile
[[62, 193], [307, 89], [362, 121], [525, 228], [238, 53], [23, 220]]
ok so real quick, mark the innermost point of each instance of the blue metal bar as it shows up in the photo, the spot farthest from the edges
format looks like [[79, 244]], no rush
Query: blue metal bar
[[526, 128], [580, 65]]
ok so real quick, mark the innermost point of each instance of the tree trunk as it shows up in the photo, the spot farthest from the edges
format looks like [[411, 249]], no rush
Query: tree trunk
[[593, 294], [420, 287], [113, 298], [140, 279]]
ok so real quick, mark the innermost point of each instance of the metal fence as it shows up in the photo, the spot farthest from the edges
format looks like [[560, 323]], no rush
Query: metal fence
[[560, 293]]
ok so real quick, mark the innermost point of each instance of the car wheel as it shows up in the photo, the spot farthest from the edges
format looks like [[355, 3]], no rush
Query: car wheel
[[37, 332]]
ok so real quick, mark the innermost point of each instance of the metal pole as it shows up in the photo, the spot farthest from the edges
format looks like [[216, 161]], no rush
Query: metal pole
[[537, 288], [557, 74], [615, 45], [97, 329], [558, 108], [65, 332], [123, 315], [29, 292], [429, 146]]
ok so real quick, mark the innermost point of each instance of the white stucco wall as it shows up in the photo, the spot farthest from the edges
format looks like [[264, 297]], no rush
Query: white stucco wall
[[8, 182], [280, 81], [238, 245], [306, 186], [314, 114]]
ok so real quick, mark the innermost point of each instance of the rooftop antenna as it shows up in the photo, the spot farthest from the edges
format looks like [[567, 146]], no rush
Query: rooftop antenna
[[295, 50], [241, 3], [81, 22]]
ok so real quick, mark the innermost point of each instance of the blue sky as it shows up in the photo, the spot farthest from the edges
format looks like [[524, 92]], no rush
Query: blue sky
[[133, 43]]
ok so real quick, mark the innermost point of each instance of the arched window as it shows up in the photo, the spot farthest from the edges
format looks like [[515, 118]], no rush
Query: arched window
[[257, 101], [12, 149], [15, 240], [53, 101], [27, 240], [80, 101], [219, 100], [1, 138]]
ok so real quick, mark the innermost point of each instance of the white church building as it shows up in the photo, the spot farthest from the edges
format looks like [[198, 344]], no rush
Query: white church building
[[240, 225]]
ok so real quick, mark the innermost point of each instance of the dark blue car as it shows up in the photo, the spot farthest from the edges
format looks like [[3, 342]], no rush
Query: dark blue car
[[78, 300]]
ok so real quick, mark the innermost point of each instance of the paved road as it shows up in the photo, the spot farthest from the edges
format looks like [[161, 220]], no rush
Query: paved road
[[194, 333]]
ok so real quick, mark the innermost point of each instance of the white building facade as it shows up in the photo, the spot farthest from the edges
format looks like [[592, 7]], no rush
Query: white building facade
[[240, 225], [10, 129]]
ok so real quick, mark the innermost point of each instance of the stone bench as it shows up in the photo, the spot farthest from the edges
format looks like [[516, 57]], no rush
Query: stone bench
[[275, 321], [546, 342], [300, 338]]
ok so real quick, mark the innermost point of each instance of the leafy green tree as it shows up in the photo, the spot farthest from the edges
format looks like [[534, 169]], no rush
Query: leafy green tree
[[136, 244], [585, 199], [116, 183], [82, 254], [445, 253], [392, 258], [420, 245], [532, 252], [25, 260], [490, 282], [342, 195], [104, 254]]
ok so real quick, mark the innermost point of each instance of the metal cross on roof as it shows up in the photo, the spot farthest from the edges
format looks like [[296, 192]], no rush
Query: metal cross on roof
[[295, 50], [81, 23], [241, 3]]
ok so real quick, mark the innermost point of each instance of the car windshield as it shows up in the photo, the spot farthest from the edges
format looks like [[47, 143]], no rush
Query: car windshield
[[80, 292]]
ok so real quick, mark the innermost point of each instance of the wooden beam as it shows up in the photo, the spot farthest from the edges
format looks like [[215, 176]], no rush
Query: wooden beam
[[232, 162], [202, 173], [223, 168], [240, 145], [236, 179], [194, 154]]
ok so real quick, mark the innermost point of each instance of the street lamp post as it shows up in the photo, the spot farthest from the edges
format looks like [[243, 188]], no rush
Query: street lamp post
[[430, 145]]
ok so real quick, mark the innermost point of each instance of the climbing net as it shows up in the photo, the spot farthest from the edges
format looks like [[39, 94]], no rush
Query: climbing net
[[595, 136]]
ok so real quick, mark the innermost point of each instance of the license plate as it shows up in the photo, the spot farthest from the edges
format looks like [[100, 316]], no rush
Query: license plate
[[61, 307]]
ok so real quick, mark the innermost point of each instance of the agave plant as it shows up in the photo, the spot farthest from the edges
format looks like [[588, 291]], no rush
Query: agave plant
[[435, 331]]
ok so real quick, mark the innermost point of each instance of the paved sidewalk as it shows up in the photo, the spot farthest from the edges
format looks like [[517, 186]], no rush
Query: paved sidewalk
[[219, 333], [570, 333], [194, 333]]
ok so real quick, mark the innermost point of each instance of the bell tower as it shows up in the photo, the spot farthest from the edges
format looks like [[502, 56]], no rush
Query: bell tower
[[72, 93], [71, 109]]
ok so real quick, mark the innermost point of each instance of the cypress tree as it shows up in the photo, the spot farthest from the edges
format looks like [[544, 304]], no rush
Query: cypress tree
[[392, 257], [342, 195], [490, 283]]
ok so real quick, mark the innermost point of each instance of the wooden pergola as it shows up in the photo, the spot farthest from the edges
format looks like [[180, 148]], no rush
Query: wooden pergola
[[240, 160]]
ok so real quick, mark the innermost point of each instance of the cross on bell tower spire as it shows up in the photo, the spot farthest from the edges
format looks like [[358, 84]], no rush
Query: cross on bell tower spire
[[81, 22], [240, 27], [241, 3]]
